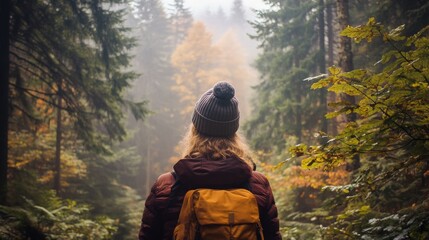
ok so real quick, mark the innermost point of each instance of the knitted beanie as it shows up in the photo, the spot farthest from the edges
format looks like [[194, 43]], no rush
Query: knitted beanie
[[216, 112]]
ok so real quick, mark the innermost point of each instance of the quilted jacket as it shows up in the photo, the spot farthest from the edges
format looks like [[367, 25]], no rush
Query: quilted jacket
[[162, 206]]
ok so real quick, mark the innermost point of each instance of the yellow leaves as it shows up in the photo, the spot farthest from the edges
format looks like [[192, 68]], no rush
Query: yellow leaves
[[371, 21], [346, 88], [365, 209], [334, 71], [368, 31], [36, 150], [331, 115], [314, 161], [342, 82], [298, 150]]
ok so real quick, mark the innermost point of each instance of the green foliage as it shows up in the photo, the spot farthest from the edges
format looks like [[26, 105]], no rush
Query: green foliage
[[157, 34], [388, 194], [80, 53], [69, 221], [300, 231], [106, 188], [282, 105], [35, 212], [76, 51]]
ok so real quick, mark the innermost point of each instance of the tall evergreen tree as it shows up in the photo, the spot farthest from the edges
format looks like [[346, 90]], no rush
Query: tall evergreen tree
[[153, 62], [69, 57], [289, 45], [80, 60], [181, 20], [292, 38], [86, 54], [238, 18], [386, 197]]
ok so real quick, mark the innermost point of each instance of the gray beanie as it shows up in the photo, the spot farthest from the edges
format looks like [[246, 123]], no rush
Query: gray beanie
[[216, 112]]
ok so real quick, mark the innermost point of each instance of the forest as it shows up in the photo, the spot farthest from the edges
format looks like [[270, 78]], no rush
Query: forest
[[97, 94]]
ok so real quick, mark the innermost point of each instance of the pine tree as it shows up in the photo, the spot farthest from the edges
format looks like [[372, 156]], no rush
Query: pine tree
[[66, 57], [292, 38], [181, 20], [153, 62], [238, 14], [72, 64], [288, 42]]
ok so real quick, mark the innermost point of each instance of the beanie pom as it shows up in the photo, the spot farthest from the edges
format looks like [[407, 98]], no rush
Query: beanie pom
[[223, 90]]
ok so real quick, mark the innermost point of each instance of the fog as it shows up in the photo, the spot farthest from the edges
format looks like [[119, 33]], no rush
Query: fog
[[160, 29], [96, 96]]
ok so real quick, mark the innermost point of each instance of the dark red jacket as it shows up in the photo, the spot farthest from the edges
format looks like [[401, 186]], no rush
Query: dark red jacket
[[162, 210]]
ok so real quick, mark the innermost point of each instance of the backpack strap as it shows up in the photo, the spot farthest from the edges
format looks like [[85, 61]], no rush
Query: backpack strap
[[175, 189], [176, 185]]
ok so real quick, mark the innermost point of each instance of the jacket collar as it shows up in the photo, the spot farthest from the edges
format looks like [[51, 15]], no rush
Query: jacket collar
[[206, 173]]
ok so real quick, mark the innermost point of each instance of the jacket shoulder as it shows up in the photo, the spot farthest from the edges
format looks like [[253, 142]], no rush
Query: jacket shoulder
[[258, 178], [164, 183], [260, 187]]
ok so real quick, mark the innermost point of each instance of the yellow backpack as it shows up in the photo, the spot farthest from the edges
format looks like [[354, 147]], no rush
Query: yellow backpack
[[212, 214]]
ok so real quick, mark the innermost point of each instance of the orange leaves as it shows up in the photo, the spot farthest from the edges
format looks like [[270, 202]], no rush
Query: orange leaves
[[35, 151], [193, 60], [200, 63], [299, 177]]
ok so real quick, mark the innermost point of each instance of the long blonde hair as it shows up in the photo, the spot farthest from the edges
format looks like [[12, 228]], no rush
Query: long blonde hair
[[196, 145]]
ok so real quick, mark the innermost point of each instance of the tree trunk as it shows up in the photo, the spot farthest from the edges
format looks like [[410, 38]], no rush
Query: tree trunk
[[4, 96], [345, 62], [333, 130], [322, 66], [345, 53], [57, 176], [298, 108]]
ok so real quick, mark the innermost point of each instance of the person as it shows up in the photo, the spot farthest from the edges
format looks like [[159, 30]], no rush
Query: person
[[214, 156]]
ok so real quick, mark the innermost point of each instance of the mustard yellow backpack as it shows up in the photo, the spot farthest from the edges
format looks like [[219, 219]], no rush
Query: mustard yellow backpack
[[212, 214]]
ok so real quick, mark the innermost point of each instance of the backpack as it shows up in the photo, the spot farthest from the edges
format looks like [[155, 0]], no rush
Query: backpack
[[213, 214]]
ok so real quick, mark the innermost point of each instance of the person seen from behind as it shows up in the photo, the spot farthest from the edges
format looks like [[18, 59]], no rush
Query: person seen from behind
[[214, 157]]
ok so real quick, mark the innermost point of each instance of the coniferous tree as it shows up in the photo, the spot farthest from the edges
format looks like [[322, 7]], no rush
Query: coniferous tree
[[69, 57], [389, 192], [181, 20], [292, 39], [365, 202], [288, 42], [238, 14], [85, 54], [152, 61]]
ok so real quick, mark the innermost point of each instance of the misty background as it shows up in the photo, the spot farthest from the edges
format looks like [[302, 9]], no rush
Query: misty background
[[161, 28], [95, 96]]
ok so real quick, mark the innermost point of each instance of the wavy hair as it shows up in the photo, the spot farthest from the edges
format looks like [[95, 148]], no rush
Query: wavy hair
[[196, 145]]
